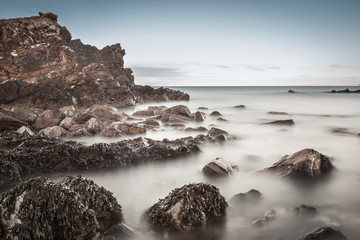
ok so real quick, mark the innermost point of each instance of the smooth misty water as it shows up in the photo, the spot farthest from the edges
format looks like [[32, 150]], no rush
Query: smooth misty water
[[258, 146]]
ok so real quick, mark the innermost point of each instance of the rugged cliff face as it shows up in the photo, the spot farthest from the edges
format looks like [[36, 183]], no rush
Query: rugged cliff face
[[40, 65]]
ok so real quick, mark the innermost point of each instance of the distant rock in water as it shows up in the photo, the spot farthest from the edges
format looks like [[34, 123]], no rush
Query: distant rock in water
[[324, 233], [291, 91], [190, 207], [240, 106], [215, 114], [345, 91], [40, 65], [74, 208], [287, 122], [306, 163], [35, 155], [277, 113]]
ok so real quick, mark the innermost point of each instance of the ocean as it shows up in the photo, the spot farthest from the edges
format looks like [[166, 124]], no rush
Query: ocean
[[315, 113]]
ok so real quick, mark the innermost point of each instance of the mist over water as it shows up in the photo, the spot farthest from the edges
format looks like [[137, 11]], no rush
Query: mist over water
[[257, 146]]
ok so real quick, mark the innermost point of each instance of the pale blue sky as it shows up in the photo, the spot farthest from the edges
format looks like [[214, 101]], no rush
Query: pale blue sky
[[205, 42]]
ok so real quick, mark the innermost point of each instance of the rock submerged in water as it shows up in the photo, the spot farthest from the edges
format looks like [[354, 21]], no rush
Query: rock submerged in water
[[287, 122], [324, 233], [74, 208], [188, 208], [252, 196], [218, 168], [307, 163]]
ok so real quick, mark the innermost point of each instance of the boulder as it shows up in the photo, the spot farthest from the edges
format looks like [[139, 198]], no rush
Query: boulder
[[179, 110], [305, 211], [68, 111], [25, 131], [199, 117], [77, 131], [111, 131], [287, 122], [197, 129], [48, 118], [324, 233], [202, 108], [213, 132], [252, 196], [8, 123], [39, 208], [128, 128], [190, 207], [25, 114], [218, 168], [307, 163], [67, 123], [94, 125], [144, 113], [103, 112], [215, 114], [291, 91], [53, 132], [221, 119], [150, 124], [220, 138]]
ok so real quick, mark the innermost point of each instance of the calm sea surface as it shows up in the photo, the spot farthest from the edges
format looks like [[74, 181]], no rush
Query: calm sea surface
[[257, 146]]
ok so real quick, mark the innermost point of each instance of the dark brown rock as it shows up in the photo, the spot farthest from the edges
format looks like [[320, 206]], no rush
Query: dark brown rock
[[198, 129], [48, 118], [252, 196], [277, 113], [240, 106], [199, 117], [306, 163], [190, 207], [215, 114], [345, 91], [291, 91], [144, 113], [8, 123]]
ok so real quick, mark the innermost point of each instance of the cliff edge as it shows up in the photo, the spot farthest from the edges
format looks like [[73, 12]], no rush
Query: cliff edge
[[41, 66]]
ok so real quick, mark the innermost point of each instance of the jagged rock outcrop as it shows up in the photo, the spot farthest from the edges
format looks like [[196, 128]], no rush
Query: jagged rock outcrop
[[35, 155], [307, 163], [40, 65], [74, 208], [190, 207], [345, 91]]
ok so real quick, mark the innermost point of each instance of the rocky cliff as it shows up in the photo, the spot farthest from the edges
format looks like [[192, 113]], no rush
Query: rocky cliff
[[40, 65]]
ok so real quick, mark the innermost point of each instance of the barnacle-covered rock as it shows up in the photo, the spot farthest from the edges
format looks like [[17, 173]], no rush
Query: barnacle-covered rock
[[74, 208], [188, 208]]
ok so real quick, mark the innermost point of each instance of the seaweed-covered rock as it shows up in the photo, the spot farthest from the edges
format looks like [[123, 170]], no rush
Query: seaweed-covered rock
[[324, 233], [307, 163], [36, 155], [188, 208], [218, 168], [70, 209]]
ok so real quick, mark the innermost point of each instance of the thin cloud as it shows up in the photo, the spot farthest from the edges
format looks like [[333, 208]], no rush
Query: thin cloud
[[341, 66], [146, 71], [258, 68]]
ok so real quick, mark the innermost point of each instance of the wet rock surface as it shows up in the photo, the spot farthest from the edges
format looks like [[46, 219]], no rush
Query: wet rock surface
[[190, 207], [74, 208], [324, 233], [219, 168], [307, 163], [38, 155]]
